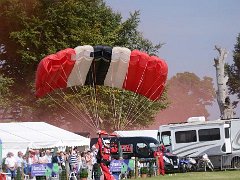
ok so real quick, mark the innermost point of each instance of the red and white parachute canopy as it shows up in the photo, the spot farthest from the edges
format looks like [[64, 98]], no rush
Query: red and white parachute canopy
[[102, 65]]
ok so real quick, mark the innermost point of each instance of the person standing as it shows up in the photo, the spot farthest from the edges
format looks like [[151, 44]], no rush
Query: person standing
[[79, 161], [37, 155], [19, 160], [58, 160], [83, 159], [89, 162], [105, 156], [25, 165], [96, 171], [73, 161], [31, 160], [42, 158], [48, 156], [63, 159], [159, 155], [11, 165]]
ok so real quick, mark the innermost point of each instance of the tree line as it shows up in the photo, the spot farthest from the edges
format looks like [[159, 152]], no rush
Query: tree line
[[30, 30]]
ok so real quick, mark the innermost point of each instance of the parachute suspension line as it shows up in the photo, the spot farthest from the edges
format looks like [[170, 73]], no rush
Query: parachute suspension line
[[94, 97], [142, 109], [133, 119], [143, 104], [63, 97], [77, 117], [76, 110], [73, 105], [113, 100], [83, 104], [131, 108], [120, 114], [86, 123]]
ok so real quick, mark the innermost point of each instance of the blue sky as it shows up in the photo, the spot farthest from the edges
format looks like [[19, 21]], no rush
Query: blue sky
[[190, 29]]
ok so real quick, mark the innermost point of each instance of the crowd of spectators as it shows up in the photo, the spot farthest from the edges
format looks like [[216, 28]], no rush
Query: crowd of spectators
[[72, 160]]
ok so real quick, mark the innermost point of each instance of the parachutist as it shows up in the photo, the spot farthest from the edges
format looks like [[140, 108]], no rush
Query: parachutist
[[104, 157]]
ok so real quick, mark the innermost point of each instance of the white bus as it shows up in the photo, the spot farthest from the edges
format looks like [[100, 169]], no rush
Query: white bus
[[217, 138]]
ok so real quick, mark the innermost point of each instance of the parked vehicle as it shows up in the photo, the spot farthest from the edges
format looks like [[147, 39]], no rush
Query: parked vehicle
[[142, 147], [171, 162], [187, 164], [197, 137]]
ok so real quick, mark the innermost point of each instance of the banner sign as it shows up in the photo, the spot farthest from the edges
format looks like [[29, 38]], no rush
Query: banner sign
[[116, 165], [122, 165], [127, 165], [48, 169]]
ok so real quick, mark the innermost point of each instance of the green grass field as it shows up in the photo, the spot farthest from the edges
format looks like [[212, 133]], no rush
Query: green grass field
[[224, 175]]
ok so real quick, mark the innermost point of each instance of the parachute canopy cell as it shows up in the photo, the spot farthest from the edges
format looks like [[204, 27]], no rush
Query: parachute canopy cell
[[102, 65]]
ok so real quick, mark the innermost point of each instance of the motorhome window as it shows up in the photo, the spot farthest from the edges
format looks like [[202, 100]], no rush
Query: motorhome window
[[185, 136], [166, 138], [209, 134], [142, 149], [227, 135]]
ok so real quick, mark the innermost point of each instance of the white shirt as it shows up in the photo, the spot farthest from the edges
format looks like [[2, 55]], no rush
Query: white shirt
[[48, 158], [94, 154], [19, 161], [10, 161]]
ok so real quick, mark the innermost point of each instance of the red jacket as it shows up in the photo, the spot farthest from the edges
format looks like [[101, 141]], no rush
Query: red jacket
[[158, 154], [104, 151]]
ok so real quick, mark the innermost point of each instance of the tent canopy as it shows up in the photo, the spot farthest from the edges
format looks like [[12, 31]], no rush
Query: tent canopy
[[134, 133], [18, 136]]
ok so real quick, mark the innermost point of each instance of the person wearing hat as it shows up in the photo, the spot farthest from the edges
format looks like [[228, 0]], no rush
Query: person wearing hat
[[105, 156]]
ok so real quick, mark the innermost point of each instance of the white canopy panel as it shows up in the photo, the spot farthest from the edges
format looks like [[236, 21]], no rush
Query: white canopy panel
[[18, 136]]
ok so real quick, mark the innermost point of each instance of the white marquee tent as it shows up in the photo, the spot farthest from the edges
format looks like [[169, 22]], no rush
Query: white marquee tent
[[18, 136]]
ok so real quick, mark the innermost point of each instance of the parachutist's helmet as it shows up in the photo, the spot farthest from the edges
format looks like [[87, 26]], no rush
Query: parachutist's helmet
[[106, 143]]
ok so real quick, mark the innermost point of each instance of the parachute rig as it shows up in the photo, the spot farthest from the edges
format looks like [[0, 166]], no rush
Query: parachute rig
[[116, 67]]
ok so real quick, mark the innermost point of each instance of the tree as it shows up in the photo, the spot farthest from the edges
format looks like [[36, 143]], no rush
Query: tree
[[223, 99], [9, 102], [189, 96], [43, 27], [233, 71], [5, 93], [106, 108]]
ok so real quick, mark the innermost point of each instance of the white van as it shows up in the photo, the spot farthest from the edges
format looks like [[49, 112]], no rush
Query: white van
[[197, 136]]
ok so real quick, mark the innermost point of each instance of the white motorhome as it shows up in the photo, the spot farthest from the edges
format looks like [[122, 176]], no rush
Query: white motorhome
[[216, 138]]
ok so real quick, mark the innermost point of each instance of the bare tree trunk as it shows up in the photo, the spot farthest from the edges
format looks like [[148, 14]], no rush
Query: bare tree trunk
[[223, 99]]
